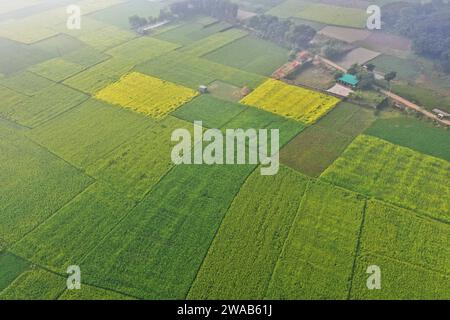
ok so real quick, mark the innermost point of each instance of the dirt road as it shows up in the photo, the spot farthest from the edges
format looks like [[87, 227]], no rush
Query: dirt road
[[415, 107]]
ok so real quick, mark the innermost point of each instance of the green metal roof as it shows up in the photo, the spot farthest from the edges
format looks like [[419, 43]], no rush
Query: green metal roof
[[350, 79]]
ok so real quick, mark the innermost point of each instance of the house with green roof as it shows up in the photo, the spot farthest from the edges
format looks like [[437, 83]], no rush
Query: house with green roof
[[349, 80]]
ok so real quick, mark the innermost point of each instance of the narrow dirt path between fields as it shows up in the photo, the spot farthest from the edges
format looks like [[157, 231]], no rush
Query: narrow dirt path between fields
[[415, 107]]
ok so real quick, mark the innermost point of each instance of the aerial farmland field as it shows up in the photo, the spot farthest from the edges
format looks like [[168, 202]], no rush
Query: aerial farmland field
[[192, 151]]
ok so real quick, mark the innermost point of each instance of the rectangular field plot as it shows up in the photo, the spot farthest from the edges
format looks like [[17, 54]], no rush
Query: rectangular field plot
[[46, 104], [317, 258], [290, 101], [35, 284], [137, 165], [9, 98], [147, 95], [106, 37], [74, 230], [141, 49], [225, 91], [189, 32], [400, 234], [83, 134], [400, 281], [35, 184], [320, 145], [243, 254], [16, 56], [99, 76], [11, 267], [213, 42], [334, 15], [25, 82], [415, 134], [157, 250], [214, 113], [324, 13], [252, 55], [56, 69], [253, 118], [192, 72], [396, 174]]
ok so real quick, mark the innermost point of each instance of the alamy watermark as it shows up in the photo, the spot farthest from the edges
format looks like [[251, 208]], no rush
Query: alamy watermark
[[74, 279], [74, 19], [235, 146], [374, 280], [374, 20]]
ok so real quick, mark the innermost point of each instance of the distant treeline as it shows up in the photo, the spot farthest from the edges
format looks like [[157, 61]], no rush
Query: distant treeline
[[220, 9], [283, 32], [427, 25]]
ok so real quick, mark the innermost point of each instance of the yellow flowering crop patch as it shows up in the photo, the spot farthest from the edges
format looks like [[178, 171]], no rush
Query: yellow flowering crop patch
[[291, 101], [146, 94]]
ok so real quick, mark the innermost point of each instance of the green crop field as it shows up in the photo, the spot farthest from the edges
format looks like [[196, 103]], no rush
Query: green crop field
[[164, 239], [214, 113], [414, 134], [412, 252], [87, 127], [11, 267], [193, 72], [318, 146], [191, 31], [252, 55], [81, 224], [137, 165], [34, 110], [241, 259], [317, 259], [25, 82], [35, 184], [323, 13], [35, 284], [396, 174], [95, 120], [99, 76], [92, 293]]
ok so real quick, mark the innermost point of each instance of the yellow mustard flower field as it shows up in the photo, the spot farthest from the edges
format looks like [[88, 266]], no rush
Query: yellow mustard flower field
[[145, 94], [291, 101]]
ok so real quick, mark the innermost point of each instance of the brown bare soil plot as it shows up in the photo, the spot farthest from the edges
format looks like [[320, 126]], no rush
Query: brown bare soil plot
[[359, 56], [349, 35]]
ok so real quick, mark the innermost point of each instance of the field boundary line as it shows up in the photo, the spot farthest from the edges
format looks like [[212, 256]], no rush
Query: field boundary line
[[60, 114], [81, 170], [442, 273], [217, 231], [357, 248], [55, 212], [297, 215], [61, 275]]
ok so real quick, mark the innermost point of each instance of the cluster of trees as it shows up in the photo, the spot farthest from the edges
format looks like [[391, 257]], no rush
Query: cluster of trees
[[220, 9], [334, 49], [427, 25], [283, 32], [137, 22]]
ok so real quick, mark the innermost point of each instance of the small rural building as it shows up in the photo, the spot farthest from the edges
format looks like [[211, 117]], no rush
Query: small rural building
[[348, 80], [441, 114], [203, 89]]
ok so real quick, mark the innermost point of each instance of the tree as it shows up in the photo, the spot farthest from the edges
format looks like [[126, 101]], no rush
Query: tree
[[389, 77], [353, 69], [136, 22], [366, 80], [370, 67]]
